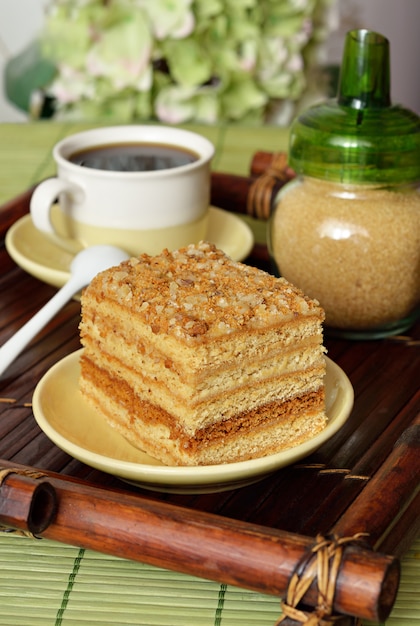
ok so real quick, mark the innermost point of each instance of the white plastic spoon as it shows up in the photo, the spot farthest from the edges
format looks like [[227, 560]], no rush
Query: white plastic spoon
[[85, 265]]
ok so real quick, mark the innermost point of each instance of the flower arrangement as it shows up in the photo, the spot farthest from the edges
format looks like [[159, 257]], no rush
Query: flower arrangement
[[181, 60]]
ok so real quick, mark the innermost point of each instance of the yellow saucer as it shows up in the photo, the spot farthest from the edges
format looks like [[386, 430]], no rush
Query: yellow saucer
[[40, 257], [76, 428]]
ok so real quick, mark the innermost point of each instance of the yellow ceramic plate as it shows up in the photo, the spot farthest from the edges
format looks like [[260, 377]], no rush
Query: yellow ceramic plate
[[40, 257], [79, 430]]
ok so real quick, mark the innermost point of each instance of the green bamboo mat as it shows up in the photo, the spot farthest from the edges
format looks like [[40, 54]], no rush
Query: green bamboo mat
[[45, 583], [25, 150], [50, 584]]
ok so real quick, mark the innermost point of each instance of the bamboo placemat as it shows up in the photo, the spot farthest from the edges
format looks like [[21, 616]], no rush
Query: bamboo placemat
[[25, 152], [51, 584], [42, 582]]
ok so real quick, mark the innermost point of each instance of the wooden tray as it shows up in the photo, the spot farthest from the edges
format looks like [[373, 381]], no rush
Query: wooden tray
[[365, 479]]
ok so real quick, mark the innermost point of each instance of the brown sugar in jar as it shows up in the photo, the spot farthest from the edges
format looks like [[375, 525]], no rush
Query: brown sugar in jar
[[356, 248]]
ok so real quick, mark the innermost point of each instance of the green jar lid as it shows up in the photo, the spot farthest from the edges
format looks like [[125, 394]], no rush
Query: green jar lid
[[359, 136]]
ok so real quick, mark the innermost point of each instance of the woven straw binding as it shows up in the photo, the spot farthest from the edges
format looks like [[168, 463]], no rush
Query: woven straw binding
[[321, 566]]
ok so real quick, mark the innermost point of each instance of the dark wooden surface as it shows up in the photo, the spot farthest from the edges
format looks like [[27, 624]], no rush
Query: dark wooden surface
[[322, 492]]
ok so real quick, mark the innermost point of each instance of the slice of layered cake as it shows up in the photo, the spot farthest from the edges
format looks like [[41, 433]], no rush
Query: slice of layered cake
[[199, 360]]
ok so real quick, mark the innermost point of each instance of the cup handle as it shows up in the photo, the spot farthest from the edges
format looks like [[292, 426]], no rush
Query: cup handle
[[45, 196]]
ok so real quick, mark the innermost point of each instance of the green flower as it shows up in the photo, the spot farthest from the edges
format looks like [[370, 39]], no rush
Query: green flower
[[175, 105], [122, 53], [188, 63], [169, 18], [180, 60]]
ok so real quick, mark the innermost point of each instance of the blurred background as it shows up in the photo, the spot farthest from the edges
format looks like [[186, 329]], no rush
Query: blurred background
[[22, 20]]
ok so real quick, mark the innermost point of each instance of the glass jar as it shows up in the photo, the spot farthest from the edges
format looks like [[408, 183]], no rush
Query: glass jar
[[356, 248], [347, 229]]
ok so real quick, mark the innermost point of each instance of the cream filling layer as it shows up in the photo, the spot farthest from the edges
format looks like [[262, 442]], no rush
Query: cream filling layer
[[101, 319], [266, 437], [228, 400], [198, 385]]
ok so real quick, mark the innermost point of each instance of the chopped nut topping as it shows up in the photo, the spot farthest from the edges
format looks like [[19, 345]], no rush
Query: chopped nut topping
[[199, 291]]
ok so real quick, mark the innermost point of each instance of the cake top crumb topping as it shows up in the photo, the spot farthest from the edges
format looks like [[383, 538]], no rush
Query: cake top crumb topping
[[198, 292]]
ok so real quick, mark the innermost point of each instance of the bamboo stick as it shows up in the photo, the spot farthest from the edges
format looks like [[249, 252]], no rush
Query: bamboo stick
[[390, 491], [250, 195], [26, 503], [230, 192], [213, 547]]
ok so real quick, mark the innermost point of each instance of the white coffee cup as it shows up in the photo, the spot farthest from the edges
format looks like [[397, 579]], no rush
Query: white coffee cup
[[140, 211]]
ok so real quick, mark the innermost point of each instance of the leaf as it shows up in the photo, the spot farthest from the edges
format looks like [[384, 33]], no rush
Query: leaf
[[26, 73]]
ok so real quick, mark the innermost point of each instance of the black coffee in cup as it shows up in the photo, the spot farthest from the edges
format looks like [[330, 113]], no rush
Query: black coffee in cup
[[133, 157]]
